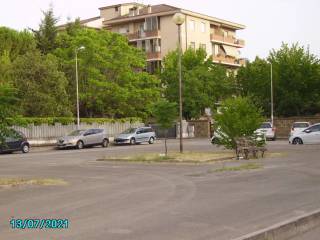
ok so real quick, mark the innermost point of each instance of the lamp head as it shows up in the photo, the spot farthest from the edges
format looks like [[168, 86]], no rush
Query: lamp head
[[178, 18]]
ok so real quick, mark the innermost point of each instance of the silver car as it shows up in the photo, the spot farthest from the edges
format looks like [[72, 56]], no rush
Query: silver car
[[310, 135], [268, 130], [136, 135], [84, 138]]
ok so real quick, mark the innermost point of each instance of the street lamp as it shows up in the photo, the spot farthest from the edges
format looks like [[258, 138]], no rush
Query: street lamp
[[271, 89], [77, 85], [179, 19]]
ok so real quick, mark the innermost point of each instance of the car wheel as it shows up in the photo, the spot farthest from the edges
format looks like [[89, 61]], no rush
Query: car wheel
[[25, 148], [132, 141], [297, 141], [80, 145], [105, 143], [151, 140]]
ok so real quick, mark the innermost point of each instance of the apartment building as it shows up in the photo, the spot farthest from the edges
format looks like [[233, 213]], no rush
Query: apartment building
[[152, 29]]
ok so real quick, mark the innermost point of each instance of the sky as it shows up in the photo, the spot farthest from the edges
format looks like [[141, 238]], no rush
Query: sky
[[268, 22]]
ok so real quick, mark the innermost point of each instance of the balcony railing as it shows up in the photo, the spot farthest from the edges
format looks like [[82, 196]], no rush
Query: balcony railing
[[227, 39], [153, 55], [228, 60], [143, 34]]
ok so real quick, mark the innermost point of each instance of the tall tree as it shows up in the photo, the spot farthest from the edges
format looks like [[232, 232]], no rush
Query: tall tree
[[15, 43], [41, 86], [47, 33], [165, 114], [296, 81], [203, 82], [7, 110], [110, 77]]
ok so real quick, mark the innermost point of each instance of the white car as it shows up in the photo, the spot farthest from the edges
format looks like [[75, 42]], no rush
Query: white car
[[310, 135], [299, 127], [268, 130]]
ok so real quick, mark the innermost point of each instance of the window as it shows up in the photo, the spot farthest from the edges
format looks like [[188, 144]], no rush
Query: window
[[116, 9], [193, 45], [203, 46], [203, 27], [151, 24], [315, 128], [192, 25]]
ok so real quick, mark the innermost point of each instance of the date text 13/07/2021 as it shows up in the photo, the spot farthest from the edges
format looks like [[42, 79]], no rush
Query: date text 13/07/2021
[[30, 223]]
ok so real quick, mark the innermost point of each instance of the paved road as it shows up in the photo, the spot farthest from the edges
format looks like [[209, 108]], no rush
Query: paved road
[[105, 200]]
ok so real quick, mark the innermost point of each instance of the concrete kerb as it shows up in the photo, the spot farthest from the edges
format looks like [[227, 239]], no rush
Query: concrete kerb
[[287, 229]]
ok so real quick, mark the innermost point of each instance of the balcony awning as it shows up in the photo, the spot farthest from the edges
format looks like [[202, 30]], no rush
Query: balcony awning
[[231, 51]]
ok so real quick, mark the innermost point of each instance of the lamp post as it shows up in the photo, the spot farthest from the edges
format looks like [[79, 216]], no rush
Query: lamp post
[[179, 19], [77, 85], [271, 89]]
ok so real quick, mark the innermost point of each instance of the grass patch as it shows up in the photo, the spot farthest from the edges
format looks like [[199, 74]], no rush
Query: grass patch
[[11, 182], [243, 167], [187, 157]]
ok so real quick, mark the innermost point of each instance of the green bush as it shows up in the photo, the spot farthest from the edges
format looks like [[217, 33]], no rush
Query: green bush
[[239, 118]]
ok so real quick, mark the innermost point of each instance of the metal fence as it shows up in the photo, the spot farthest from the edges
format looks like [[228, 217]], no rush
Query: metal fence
[[45, 131]]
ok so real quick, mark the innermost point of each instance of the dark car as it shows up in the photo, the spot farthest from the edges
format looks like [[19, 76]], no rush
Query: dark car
[[17, 141]]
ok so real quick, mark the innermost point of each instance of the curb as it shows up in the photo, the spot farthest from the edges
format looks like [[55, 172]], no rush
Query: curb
[[287, 229]]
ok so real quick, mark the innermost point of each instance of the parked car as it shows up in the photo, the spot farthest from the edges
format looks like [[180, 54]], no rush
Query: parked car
[[259, 137], [136, 135], [299, 127], [268, 130], [84, 138], [16, 141], [308, 136]]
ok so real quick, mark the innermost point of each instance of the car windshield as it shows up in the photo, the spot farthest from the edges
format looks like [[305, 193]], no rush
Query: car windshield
[[300, 125], [76, 133], [265, 125], [130, 130]]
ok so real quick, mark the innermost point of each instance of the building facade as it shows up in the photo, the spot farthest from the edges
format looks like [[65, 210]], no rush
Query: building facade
[[151, 28]]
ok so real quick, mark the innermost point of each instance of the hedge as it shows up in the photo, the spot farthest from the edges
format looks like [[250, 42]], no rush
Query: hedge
[[23, 121]]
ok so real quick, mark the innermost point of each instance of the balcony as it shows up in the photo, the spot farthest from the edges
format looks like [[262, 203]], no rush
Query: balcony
[[143, 35], [153, 56], [219, 37], [230, 61]]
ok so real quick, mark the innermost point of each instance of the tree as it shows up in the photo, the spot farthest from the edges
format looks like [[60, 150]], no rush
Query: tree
[[239, 117], [204, 83], [165, 113], [40, 85], [15, 43], [12, 45], [296, 81], [47, 33], [111, 80], [7, 110]]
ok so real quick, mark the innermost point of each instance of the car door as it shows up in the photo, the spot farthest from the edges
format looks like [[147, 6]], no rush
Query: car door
[[145, 134], [311, 134], [315, 134], [88, 137], [139, 135], [13, 142], [97, 136]]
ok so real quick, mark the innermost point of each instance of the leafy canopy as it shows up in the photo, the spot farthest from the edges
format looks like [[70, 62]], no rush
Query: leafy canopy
[[7, 110], [165, 113], [110, 78], [296, 81], [204, 83], [239, 117]]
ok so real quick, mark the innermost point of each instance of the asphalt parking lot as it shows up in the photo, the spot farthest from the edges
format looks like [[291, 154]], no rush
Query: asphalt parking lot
[[110, 200]]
